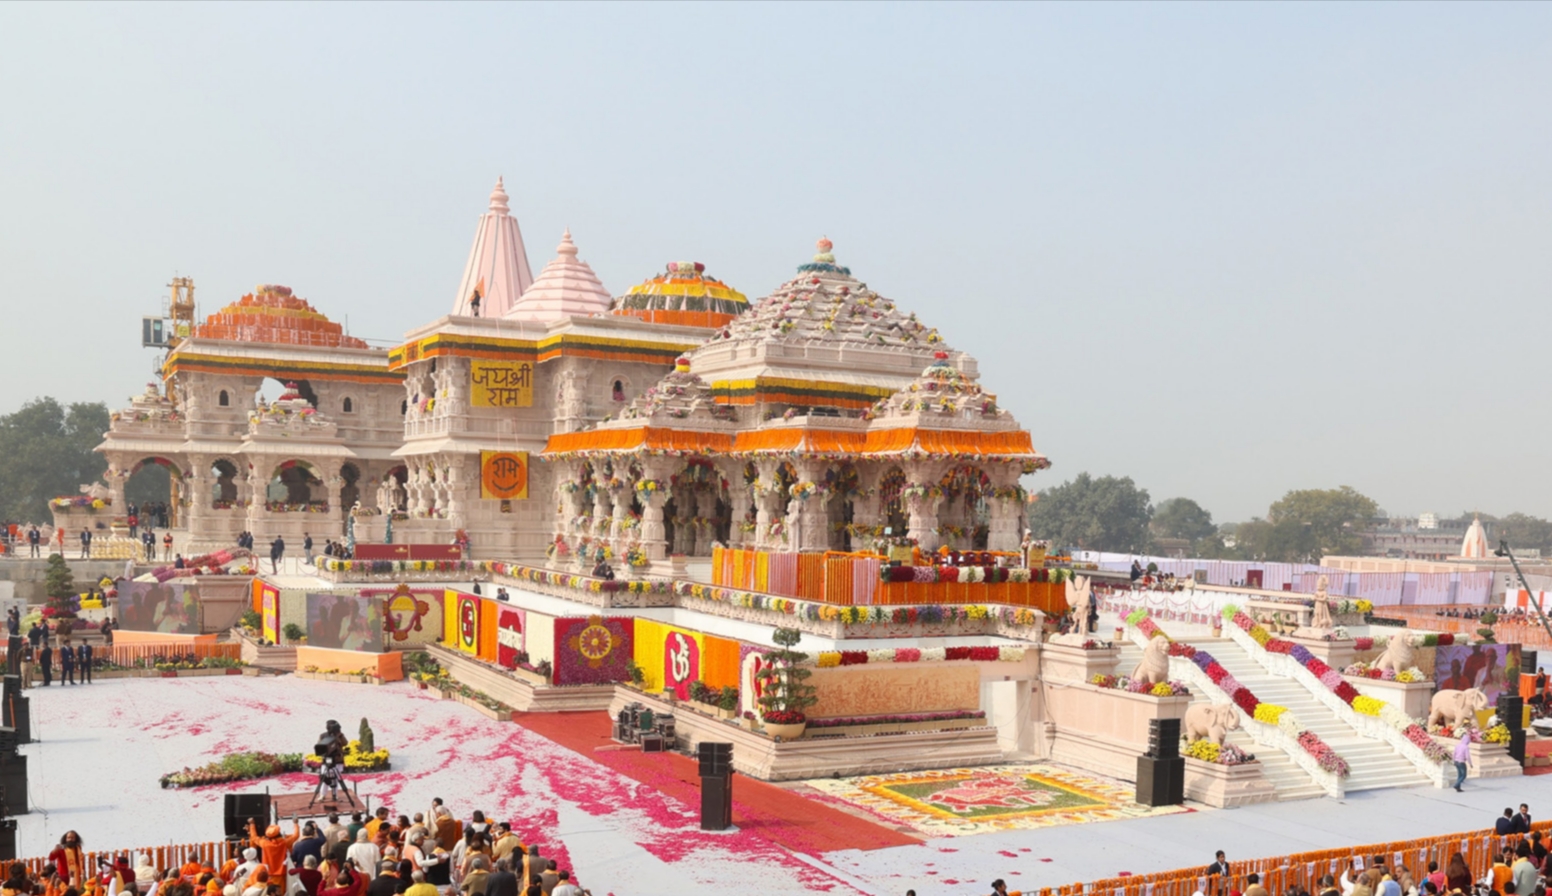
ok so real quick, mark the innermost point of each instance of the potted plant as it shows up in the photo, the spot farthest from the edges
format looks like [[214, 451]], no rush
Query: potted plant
[[293, 632], [727, 702], [785, 691]]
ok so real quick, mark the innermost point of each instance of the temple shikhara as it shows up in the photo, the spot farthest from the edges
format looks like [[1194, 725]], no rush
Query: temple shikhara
[[795, 524]]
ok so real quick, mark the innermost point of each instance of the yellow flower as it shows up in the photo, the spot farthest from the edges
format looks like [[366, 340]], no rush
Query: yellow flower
[[1205, 750], [828, 658], [1269, 713], [1368, 706]]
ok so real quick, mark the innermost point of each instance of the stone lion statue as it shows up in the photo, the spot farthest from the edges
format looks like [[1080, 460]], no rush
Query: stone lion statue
[[1398, 654], [1154, 667], [1209, 721], [1452, 707]]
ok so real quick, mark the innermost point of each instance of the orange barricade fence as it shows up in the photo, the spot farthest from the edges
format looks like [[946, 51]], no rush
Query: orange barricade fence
[[1280, 873], [211, 854]]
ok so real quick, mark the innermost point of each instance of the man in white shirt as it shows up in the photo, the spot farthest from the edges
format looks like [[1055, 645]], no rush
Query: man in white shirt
[[364, 853]]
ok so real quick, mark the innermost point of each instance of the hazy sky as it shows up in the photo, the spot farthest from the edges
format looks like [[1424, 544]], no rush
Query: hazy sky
[[1228, 249]]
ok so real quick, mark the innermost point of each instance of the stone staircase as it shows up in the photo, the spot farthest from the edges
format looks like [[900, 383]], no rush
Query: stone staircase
[[1373, 763]]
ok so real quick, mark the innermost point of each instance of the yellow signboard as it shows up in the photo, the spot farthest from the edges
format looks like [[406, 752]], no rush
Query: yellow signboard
[[504, 475], [501, 384]]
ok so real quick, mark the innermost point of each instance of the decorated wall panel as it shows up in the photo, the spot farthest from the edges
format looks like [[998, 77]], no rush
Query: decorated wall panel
[[412, 617], [511, 635], [541, 638], [593, 650], [895, 688], [672, 657]]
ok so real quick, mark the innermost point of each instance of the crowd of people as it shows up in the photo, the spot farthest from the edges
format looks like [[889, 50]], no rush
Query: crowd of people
[[431, 854], [1519, 870]]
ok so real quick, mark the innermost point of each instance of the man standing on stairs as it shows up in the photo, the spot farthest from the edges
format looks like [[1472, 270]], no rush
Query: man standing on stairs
[[1462, 757]]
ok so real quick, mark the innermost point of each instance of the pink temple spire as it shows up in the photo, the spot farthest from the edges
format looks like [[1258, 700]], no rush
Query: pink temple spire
[[497, 272]]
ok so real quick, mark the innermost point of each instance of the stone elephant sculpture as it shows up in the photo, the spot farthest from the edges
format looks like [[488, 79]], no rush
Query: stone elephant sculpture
[[1209, 721], [1453, 707], [1154, 667], [1399, 654]]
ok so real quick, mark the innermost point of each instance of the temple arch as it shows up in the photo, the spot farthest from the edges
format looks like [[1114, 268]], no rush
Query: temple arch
[[295, 486]]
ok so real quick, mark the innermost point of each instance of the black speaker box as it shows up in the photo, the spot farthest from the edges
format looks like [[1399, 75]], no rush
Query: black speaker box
[[242, 806], [13, 784], [19, 711], [1511, 711], [1163, 738], [1161, 782], [716, 804], [13, 655], [714, 758], [1527, 661], [1517, 745]]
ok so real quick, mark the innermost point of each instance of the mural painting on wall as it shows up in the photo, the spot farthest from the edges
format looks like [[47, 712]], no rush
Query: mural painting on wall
[[468, 623], [166, 607], [510, 629], [403, 613], [594, 650], [344, 622], [1486, 666], [681, 663]]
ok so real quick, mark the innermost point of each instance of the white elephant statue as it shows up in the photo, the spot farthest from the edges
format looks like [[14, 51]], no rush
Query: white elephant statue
[[1154, 667], [1210, 721], [1399, 654], [1452, 707]]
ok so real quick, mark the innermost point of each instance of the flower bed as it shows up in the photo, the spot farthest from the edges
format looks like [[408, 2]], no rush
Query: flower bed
[[830, 658], [1226, 754], [1405, 676], [1122, 683], [931, 614], [356, 759], [970, 574], [234, 767], [1407, 735]]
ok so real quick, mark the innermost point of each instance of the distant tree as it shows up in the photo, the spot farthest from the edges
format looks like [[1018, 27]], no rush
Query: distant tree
[[1522, 530], [1104, 514], [1182, 518], [46, 451], [1311, 523]]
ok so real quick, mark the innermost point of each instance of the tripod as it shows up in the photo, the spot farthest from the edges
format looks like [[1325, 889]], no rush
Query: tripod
[[332, 776]]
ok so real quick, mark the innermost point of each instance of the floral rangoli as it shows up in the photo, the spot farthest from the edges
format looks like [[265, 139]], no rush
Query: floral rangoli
[[955, 802]]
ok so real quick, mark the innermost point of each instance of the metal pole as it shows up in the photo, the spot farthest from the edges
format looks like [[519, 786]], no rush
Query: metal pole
[[1503, 550]]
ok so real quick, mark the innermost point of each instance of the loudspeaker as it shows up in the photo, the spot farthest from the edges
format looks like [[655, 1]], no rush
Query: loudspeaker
[[13, 784], [1527, 661], [716, 803], [1511, 711], [19, 710], [714, 758], [13, 658], [1161, 782], [1163, 738], [652, 743], [242, 806], [1517, 745], [7, 840]]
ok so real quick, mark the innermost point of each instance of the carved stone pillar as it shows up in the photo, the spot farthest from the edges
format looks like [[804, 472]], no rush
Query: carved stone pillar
[[653, 534], [1006, 503], [740, 500], [458, 498]]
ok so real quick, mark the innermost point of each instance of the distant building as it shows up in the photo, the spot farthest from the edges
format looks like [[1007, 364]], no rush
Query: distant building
[[1422, 538]]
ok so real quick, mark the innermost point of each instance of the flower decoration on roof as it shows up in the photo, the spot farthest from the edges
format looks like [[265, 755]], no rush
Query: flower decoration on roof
[[272, 314], [944, 391], [825, 303], [683, 295], [681, 397]]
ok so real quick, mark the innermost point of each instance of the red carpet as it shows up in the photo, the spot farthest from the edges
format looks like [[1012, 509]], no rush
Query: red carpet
[[780, 816]]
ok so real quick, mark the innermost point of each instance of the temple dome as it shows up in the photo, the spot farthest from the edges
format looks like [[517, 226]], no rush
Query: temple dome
[[1474, 545], [272, 314], [497, 270], [825, 303], [683, 295], [567, 287]]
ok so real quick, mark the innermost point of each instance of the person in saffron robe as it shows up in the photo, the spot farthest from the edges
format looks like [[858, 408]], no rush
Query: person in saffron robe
[[70, 859], [274, 848]]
